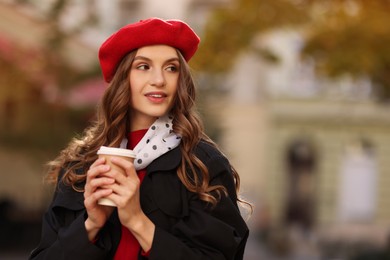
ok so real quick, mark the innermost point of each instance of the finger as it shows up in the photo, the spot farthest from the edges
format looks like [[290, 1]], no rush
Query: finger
[[101, 182], [126, 165], [92, 174], [118, 200], [126, 189], [97, 171], [91, 201], [117, 170], [98, 162], [118, 189], [122, 180]]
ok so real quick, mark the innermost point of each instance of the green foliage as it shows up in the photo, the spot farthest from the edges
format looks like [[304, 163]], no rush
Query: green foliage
[[343, 36], [353, 37], [232, 29]]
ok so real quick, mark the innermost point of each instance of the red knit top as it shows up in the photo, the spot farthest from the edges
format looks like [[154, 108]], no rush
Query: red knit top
[[128, 246]]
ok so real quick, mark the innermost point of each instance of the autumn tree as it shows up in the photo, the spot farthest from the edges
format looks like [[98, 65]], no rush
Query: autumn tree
[[342, 36], [352, 37], [231, 29]]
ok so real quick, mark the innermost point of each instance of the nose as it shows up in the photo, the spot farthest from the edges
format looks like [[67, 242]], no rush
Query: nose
[[158, 78]]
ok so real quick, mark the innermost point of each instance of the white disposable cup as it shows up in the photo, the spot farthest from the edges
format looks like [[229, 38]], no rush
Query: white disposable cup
[[108, 153]]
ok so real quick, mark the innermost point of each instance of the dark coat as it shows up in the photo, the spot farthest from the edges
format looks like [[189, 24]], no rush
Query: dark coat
[[186, 227]]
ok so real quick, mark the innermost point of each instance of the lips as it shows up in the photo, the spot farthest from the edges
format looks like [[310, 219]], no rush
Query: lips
[[156, 97]]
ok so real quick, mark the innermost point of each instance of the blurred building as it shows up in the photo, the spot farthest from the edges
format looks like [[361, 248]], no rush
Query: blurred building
[[310, 150]]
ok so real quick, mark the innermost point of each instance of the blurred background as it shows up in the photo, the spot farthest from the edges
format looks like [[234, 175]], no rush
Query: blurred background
[[296, 93]]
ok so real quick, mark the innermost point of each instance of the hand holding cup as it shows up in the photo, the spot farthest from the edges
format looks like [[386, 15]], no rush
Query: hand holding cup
[[108, 153]]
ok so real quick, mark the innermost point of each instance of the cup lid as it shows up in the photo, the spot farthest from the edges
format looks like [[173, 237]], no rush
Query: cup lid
[[116, 151]]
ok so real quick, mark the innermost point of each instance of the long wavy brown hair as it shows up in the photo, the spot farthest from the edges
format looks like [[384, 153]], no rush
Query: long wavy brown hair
[[112, 124]]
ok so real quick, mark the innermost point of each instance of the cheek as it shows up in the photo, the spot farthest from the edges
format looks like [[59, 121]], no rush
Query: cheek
[[174, 83], [134, 85]]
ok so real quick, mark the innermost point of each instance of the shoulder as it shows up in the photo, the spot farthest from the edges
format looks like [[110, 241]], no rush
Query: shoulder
[[206, 151], [215, 161]]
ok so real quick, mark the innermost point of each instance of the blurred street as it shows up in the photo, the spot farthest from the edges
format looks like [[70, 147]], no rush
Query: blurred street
[[339, 243], [258, 251], [335, 243]]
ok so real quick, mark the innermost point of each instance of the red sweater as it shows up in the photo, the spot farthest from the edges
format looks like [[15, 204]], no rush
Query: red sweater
[[129, 247]]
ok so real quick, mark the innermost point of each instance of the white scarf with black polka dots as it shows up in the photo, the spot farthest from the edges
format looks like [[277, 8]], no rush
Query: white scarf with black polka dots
[[158, 140]]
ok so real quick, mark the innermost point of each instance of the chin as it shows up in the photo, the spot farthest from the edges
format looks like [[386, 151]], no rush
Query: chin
[[158, 114]]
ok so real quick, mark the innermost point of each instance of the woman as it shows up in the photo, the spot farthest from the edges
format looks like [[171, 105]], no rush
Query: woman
[[178, 200]]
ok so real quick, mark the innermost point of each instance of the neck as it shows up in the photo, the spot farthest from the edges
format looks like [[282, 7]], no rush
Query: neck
[[139, 123]]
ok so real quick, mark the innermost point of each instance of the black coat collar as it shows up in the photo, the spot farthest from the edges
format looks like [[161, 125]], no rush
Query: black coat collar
[[165, 162]]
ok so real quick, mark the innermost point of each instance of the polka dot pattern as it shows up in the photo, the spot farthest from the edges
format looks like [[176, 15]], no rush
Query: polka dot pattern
[[158, 140]]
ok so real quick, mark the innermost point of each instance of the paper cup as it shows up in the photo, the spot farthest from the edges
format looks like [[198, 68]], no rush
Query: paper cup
[[108, 153]]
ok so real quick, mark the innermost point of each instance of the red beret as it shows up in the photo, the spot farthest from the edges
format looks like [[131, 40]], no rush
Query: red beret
[[152, 31]]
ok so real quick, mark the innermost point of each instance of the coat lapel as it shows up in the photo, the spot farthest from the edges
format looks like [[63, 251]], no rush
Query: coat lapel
[[161, 188], [165, 162]]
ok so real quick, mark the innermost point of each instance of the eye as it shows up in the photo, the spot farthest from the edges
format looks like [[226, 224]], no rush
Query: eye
[[172, 68], [142, 67]]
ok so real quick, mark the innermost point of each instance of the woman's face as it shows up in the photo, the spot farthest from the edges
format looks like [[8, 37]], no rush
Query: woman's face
[[154, 77]]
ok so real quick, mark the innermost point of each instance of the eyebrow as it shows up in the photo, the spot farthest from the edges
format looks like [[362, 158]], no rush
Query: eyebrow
[[148, 59]]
